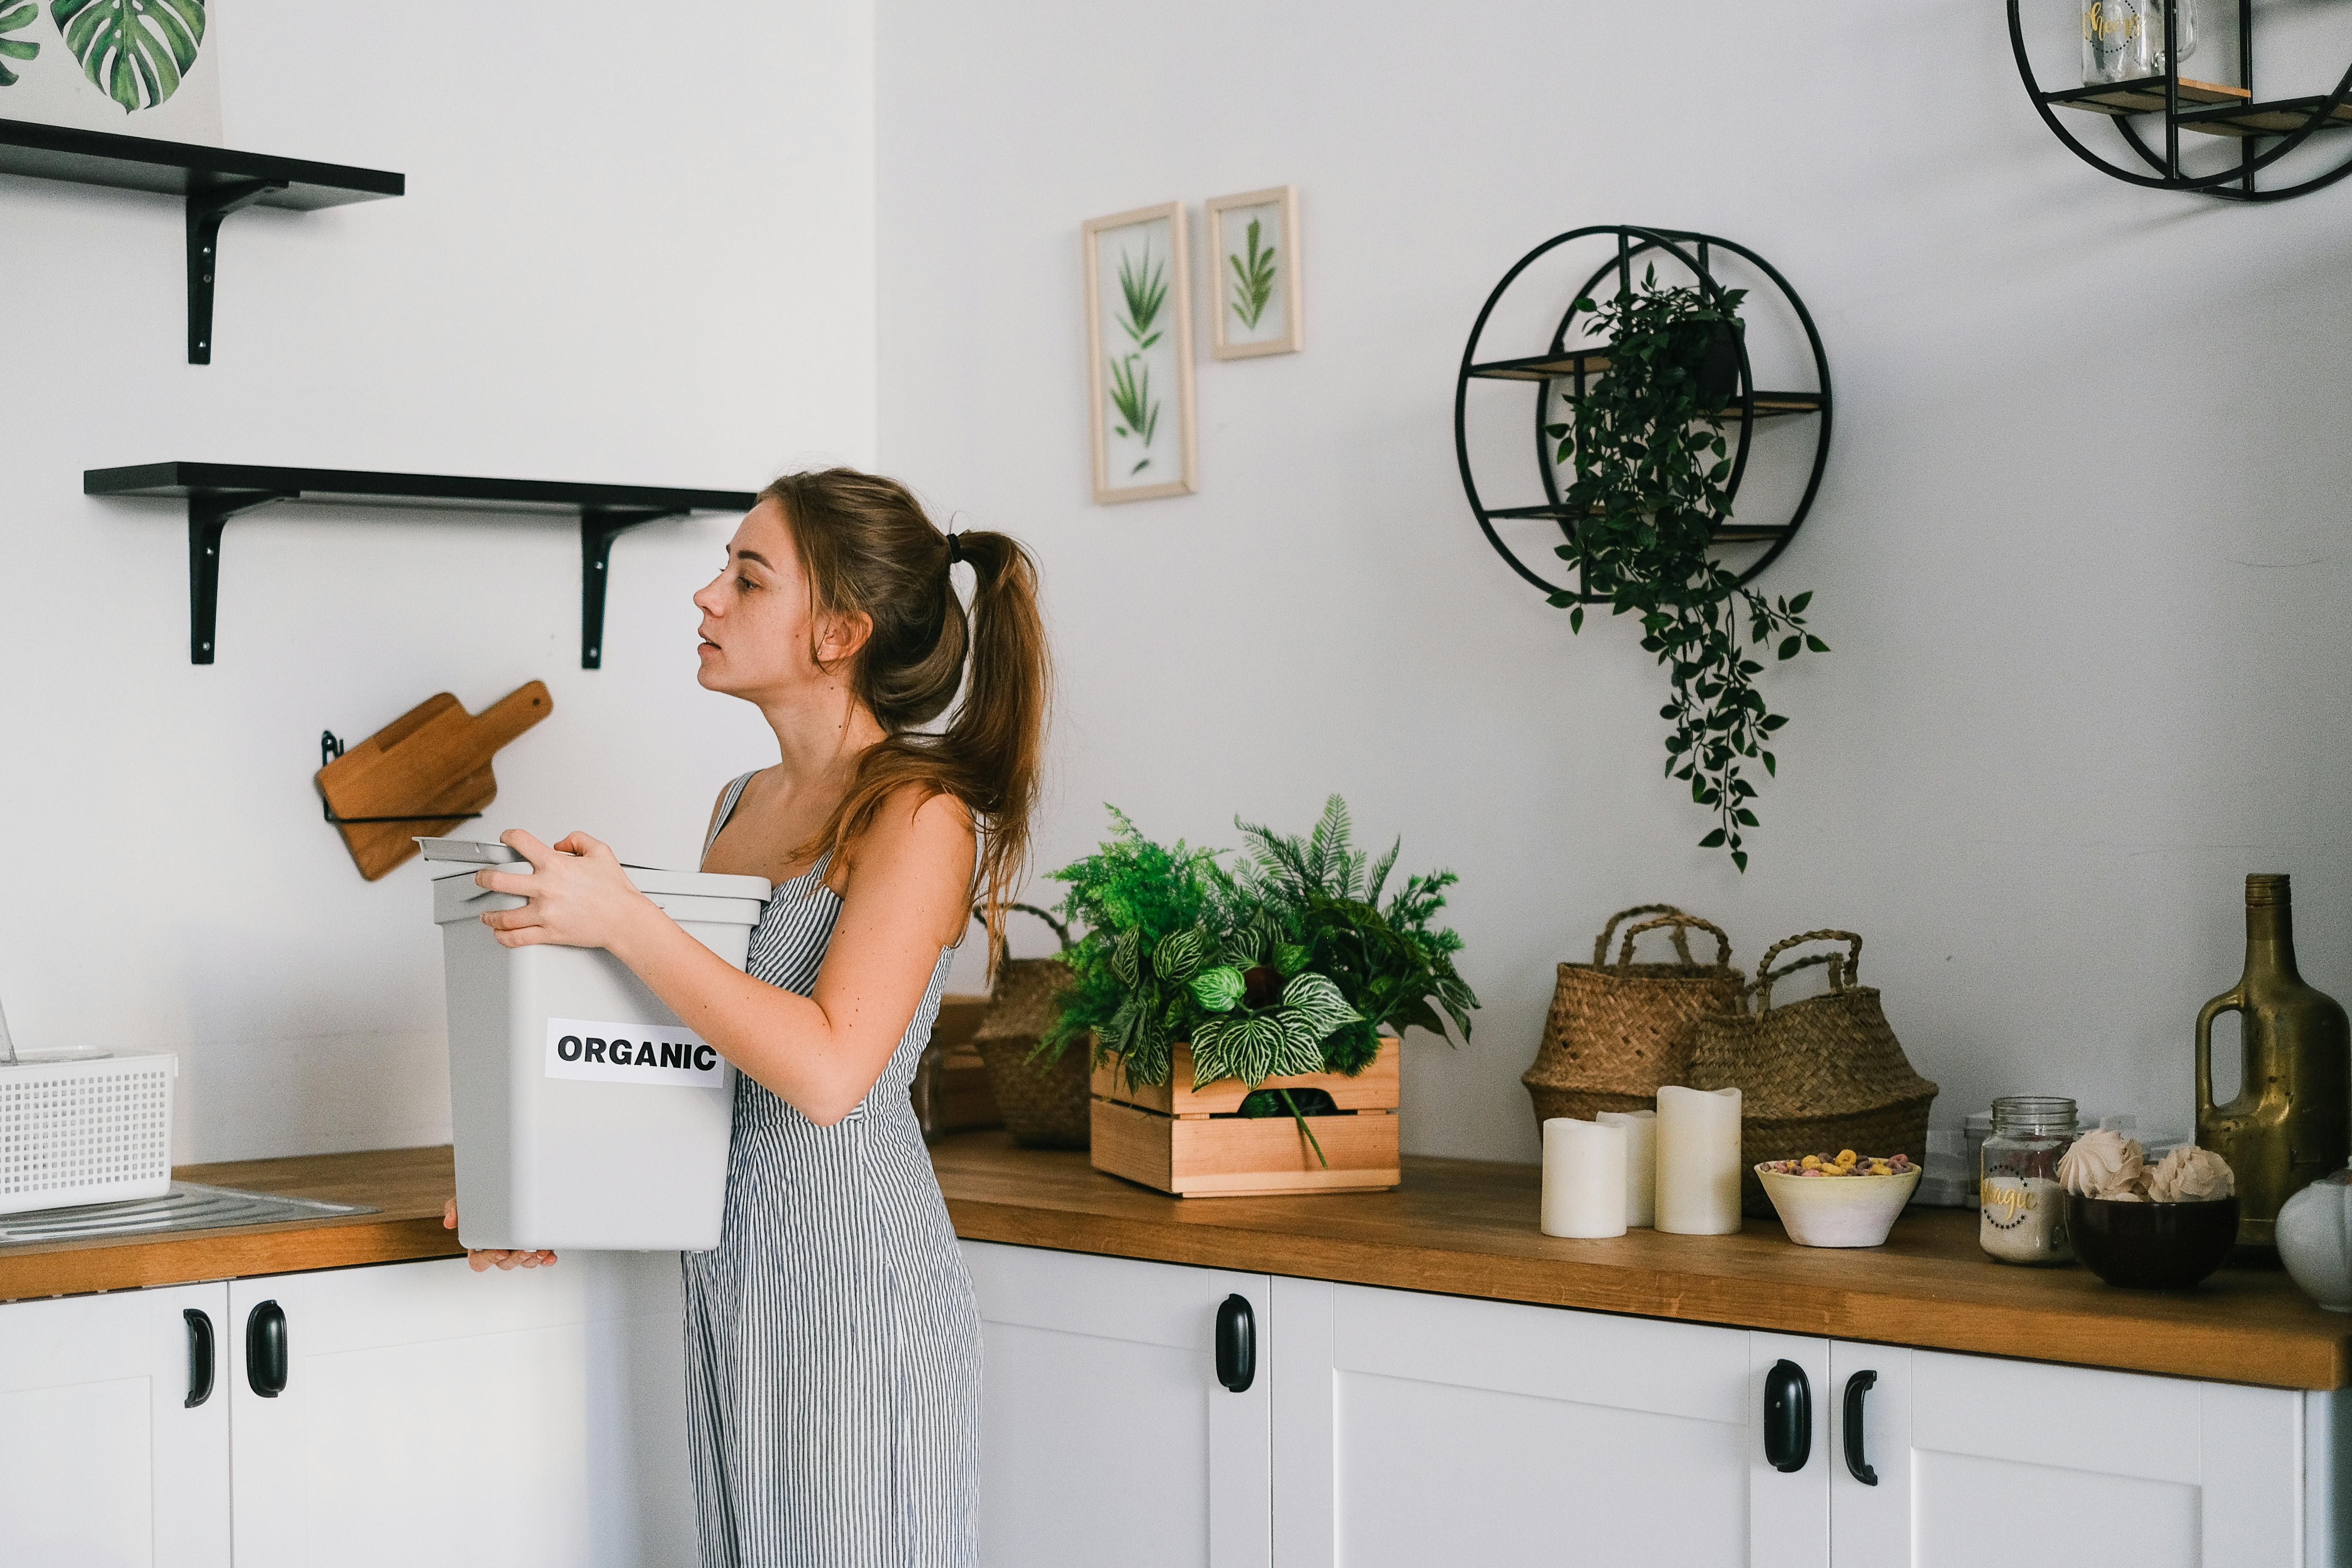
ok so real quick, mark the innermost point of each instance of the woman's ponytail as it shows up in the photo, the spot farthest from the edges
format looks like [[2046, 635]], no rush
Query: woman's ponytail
[[867, 549]]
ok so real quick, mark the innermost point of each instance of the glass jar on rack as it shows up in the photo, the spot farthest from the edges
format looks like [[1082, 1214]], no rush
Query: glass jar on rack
[[2022, 1213], [2123, 41]]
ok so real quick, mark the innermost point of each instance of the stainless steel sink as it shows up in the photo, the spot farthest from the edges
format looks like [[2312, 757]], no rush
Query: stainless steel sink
[[189, 1206]]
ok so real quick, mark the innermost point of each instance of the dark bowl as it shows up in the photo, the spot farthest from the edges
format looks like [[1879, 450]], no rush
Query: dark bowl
[[2152, 1247]]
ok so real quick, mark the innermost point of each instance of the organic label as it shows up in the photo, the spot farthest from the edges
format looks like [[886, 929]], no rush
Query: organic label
[[657, 1054]]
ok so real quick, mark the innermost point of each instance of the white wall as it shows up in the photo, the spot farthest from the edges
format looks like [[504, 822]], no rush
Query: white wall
[[634, 250], [2081, 548]]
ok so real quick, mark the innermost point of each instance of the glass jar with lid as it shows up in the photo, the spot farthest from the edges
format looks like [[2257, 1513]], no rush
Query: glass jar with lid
[[2022, 1204]]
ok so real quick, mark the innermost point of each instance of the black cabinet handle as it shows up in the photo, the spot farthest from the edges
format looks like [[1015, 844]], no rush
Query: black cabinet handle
[[1857, 1386], [1788, 1416], [265, 1350], [200, 1358], [1236, 1344]]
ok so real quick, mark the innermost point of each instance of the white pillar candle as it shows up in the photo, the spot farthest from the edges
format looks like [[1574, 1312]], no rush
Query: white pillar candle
[[1640, 1162], [1583, 1178], [1698, 1161]]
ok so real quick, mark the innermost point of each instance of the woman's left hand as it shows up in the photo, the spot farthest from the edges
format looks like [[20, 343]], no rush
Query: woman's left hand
[[580, 895]]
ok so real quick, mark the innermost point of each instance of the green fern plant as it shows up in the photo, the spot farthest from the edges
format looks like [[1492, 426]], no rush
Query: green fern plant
[[1143, 288], [1143, 291], [1131, 394], [1252, 278], [16, 20], [135, 51]]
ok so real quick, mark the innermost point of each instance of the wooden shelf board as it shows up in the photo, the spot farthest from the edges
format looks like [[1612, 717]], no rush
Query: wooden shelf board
[[1467, 1228], [2279, 119], [2144, 96], [348, 487], [178, 168], [1544, 367], [1736, 534]]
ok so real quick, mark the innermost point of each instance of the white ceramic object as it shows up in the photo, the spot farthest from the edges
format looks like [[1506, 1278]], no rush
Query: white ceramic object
[[1838, 1211], [2314, 1240]]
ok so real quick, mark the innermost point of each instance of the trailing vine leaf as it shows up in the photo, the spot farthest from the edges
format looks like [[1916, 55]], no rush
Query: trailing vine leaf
[[13, 21], [135, 51], [1253, 279], [1650, 465]]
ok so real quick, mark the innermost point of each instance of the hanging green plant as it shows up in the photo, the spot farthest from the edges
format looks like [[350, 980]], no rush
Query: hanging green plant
[[135, 51], [1646, 445], [15, 20]]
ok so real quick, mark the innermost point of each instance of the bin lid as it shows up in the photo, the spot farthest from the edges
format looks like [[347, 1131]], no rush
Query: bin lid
[[463, 856]]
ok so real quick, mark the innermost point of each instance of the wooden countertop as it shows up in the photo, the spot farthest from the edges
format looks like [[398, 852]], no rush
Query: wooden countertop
[[1468, 1228], [1457, 1226], [407, 1185]]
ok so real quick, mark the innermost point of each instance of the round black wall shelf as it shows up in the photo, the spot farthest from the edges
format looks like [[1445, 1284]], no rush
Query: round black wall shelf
[[1562, 371], [2152, 112]]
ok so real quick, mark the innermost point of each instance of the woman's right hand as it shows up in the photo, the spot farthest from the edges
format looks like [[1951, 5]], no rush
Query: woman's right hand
[[480, 1258]]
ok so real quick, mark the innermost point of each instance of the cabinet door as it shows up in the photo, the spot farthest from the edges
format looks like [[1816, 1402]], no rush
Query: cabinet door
[[1107, 1436], [1412, 1429], [103, 1462], [1975, 1454], [432, 1414]]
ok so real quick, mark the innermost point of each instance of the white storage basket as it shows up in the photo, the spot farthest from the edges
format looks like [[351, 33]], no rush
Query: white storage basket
[[84, 1130]]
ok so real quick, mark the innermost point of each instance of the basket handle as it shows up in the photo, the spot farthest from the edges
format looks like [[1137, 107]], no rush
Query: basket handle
[[1600, 942], [1060, 930], [1680, 922], [1842, 965]]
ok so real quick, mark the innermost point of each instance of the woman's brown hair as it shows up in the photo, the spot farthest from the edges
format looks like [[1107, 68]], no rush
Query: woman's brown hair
[[868, 549]]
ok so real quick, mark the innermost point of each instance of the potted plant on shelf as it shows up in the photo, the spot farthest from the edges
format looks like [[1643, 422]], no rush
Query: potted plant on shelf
[[1244, 1023], [1650, 484]]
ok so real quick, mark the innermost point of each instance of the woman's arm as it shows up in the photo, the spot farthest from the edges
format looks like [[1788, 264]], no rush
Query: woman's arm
[[904, 901]]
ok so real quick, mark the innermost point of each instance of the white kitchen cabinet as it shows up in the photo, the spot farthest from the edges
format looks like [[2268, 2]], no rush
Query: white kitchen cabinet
[[1974, 1455], [1414, 1429], [103, 1462], [431, 1414], [1107, 1436]]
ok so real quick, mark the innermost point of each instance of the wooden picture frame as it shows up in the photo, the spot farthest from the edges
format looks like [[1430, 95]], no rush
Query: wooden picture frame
[[1139, 304], [1257, 290]]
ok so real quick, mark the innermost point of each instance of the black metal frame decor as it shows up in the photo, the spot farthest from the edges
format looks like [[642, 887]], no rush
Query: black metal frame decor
[[1575, 365], [217, 491], [2211, 108]]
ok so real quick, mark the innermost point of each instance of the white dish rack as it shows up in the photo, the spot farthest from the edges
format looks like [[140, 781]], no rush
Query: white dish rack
[[85, 1128]]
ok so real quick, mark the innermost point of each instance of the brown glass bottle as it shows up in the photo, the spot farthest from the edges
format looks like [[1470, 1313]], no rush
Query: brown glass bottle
[[2292, 1122]]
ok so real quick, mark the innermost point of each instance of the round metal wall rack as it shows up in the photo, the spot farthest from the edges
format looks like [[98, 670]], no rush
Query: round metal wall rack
[[2152, 112], [1563, 370]]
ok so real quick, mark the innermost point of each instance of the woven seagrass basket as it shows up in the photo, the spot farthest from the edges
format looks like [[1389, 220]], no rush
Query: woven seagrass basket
[[1616, 1032], [1045, 1105], [1814, 1076]]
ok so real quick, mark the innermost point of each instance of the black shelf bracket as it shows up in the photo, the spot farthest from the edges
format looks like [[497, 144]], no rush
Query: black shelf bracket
[[599, 526], [206, 210], [214, 492], [206, 517]]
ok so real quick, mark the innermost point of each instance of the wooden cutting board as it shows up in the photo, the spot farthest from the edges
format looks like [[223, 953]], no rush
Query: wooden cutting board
[[435, 758]]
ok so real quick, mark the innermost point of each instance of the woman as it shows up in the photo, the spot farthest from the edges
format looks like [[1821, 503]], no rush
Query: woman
[[833, 1342]]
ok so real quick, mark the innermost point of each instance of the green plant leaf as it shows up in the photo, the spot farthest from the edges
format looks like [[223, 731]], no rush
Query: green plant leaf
[[1220, 989], [1252, 278], [14, 20], [135, 51], [1179, 953], [1290, 958], [1816, 644]]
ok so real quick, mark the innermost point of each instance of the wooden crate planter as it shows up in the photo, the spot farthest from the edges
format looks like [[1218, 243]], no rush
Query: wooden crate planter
[[1194, 1144]]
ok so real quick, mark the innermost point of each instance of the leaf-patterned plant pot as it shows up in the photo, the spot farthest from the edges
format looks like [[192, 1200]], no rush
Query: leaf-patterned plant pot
[[1196, 1143]]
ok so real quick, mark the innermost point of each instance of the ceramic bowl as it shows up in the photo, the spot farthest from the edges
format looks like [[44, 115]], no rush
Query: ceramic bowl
[[1838, 1211], [2152, 1247]]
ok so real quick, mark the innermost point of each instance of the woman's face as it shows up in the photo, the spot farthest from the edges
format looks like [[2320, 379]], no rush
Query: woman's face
[[760, 639]]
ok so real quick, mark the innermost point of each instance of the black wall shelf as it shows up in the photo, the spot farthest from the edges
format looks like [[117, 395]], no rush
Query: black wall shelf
[[212, 181], [2151, 112], [217, 491], [1560, 373]]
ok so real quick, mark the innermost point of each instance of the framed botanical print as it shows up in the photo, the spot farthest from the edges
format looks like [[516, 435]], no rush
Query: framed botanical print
[[1253, 245], [1139, 354]]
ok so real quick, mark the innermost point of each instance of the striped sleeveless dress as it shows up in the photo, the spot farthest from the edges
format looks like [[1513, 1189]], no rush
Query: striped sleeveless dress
[[833, 1338]]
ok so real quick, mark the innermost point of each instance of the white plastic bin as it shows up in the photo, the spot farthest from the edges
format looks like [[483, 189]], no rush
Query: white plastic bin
[[560, 1141], [84, 1128]]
